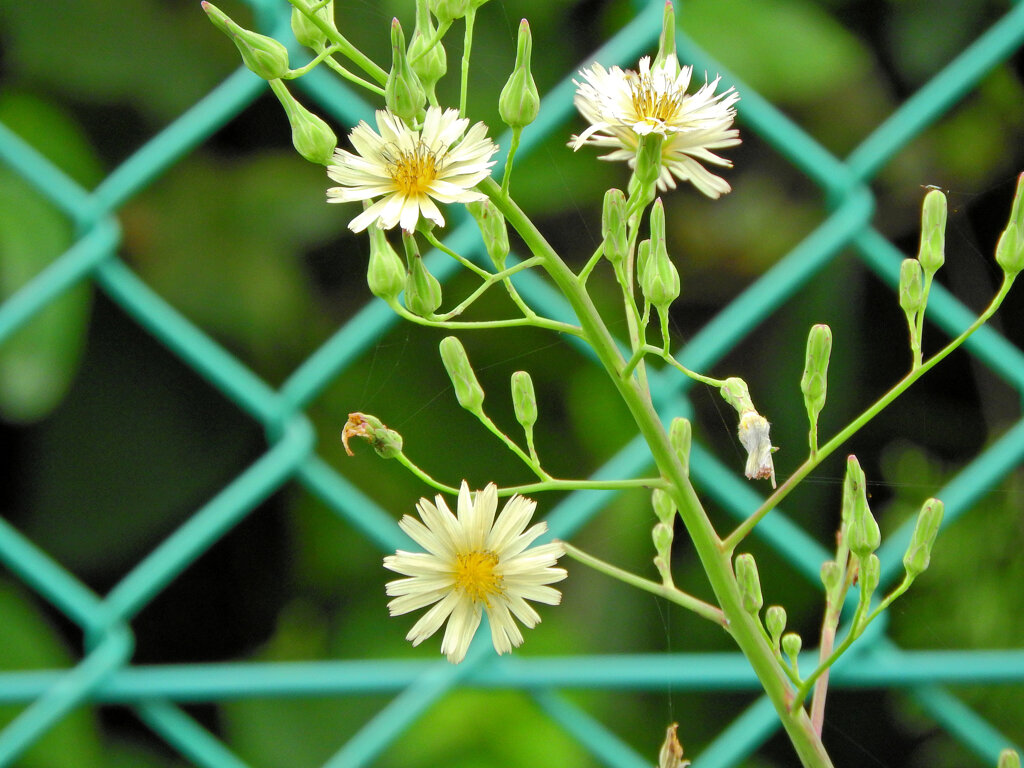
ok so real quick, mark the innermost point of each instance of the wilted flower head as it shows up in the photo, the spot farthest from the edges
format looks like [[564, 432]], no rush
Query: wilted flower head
[[411, 168], [671, 753], [623, 105], [753, 434], [474, 563]]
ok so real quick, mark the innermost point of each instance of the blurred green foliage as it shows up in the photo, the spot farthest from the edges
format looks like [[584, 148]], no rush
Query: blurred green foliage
[[117, 442]]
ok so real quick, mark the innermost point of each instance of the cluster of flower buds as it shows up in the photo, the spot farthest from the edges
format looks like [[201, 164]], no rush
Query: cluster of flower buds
[[662, 534], [916, 274]]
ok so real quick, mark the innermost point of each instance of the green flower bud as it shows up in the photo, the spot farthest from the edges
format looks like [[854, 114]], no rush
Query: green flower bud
[[736, 394], [311, 136], [643, 255], [1010, 249], [519, 102], [263, 55], [663, 505], [775, 623], [680, 435], [932, 253], [853, 485], [667, 41], [869, 575], [386, 442], [1008, 758], [831, 575], [613, 226], [429, 65], [467, 389], [863, 536], [919, 553], [813, 384], [403, 92], [422, 289], [791, 645], [661, 534], [448, 11], [659, 279], [524, 400], [750, 584], [911, 286], [307, 32], [492, 229], [648, 159], [385, 273]]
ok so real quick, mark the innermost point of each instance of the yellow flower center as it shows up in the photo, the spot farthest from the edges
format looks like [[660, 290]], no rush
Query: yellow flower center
[[652, 103], [475, 576], [414, 170]]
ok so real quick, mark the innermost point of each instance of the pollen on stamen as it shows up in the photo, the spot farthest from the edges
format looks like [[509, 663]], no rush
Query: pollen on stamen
[[475, 576], [414, 171]]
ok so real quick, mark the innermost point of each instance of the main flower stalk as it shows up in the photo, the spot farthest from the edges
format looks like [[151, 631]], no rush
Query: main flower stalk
[[714, 558]]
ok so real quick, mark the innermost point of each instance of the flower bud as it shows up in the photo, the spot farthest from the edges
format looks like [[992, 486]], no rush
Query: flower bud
[[911, 286], [813, 384], [680, 435], [492, 229], [919, 553], [307, 32], [791, 644], [261, 54], [869, 575], [403, 92], [422, 289], [386, 442], [661, 534], [932, 253], [1008, 758], [863, 536], [613, 226], [667, 40], [775, 622], [467, 389], [750, 584], [831, 575], [524, 400], [1010, 249], [448, 11], [429, 65], [519, 102], [648, 159], [643, 256], [659, 279], [663, 505], [385, 273], [311, 136], [853, 483]]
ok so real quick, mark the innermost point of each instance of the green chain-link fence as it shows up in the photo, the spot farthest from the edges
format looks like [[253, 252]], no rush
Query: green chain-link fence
[[105, 673]]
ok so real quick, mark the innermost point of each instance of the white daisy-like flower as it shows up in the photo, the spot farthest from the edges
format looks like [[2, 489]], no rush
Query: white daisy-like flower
[[474, 563], [623, 105], [411, 168]]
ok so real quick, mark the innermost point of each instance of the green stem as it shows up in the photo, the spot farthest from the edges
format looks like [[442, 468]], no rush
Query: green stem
[[479, 271], [489, 281], [826, 450], [353, 78], [511, 444], [716, 561], [507, 177], [834, 600], [344, 46], [515, 322], [591, 263], [677, 596], [294, 73]]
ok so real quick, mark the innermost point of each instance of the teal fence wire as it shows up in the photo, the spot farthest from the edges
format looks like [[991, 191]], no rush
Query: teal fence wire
[[105, 673]]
